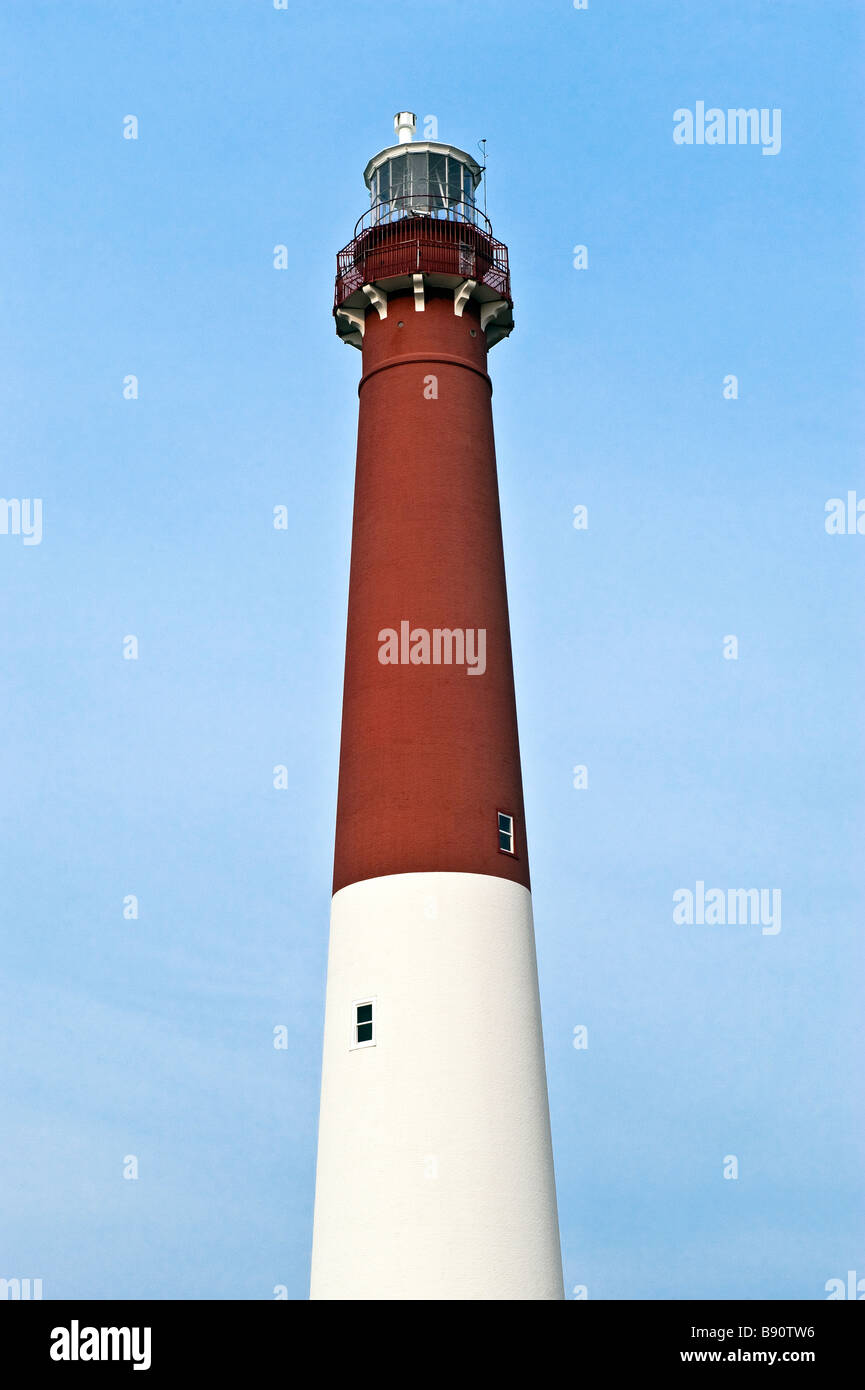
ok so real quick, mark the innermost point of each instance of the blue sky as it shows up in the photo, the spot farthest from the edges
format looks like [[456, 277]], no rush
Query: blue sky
[[153, 777]]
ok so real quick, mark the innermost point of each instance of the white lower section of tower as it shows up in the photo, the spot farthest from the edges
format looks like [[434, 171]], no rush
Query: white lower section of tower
[[435, 1167]]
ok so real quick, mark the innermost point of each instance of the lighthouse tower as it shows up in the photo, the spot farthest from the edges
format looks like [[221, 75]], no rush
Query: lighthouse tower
[[435, 1170]]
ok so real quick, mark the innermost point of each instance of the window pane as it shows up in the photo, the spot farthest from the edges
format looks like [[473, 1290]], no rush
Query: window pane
[[397, 176], [364, 1032], [364, 1013], [504, 842], [438, 180], [418, 171], [505, 822], [454, 180]]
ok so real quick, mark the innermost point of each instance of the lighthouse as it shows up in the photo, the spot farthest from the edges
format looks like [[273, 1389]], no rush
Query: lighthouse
[[435, 1171]]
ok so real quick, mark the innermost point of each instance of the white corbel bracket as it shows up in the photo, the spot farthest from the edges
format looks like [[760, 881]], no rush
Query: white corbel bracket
[[490, 311], [462, 294], [356, 317], [377, 298], [419, 302]]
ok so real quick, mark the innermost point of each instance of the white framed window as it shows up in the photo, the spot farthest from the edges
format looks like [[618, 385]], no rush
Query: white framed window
[[506, 833], [362, 1023]]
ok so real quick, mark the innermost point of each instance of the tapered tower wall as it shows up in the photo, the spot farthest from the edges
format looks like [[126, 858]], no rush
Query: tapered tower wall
[[429, 753]]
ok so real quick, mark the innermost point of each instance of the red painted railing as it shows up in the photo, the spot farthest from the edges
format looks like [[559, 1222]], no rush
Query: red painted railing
[[389, 243]]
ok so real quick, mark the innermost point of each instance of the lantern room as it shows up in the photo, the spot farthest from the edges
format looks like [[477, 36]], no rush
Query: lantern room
[[421, 178]]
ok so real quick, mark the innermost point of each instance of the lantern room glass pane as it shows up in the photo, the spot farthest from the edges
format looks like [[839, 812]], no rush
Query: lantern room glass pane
[[454, 180], [418, 173], [438, 185], [398, 177]]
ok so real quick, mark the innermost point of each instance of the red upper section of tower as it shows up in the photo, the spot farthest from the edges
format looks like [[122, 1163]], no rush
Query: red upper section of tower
[[430, 753]]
